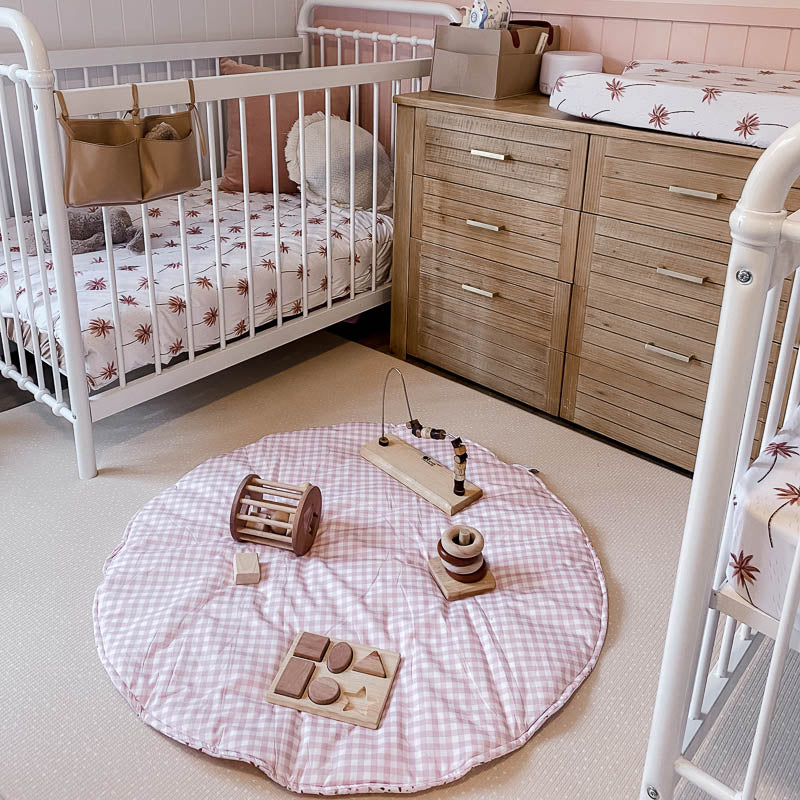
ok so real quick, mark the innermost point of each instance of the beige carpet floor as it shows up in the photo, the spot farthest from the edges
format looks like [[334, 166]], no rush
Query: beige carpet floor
[[66, 733]]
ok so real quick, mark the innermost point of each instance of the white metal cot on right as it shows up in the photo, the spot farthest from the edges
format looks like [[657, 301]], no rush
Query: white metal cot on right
[[691, 693]]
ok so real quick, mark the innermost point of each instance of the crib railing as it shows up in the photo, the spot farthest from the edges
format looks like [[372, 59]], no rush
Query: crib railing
[[764, 256]]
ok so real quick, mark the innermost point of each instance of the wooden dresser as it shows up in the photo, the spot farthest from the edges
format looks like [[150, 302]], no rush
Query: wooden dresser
[[575, 266]]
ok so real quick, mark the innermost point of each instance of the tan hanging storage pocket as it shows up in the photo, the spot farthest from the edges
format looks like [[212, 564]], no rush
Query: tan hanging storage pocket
[[111, 162]]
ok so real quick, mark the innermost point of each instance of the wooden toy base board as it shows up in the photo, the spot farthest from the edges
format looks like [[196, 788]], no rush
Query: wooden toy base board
[[353, 706], [455, 590], [420, 473]]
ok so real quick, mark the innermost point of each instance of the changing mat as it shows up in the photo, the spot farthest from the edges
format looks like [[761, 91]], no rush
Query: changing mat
[[767, 522], [730, 104], [194, 654]]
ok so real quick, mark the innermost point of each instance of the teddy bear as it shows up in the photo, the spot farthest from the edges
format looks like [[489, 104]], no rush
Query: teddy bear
[[87, 232]]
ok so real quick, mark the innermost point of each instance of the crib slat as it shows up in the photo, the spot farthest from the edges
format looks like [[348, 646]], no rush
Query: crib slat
[[112, 288], [303, 209], [187, 285], [36, 211], [12, 284], [784, 361], [322, 50], [353, 91], [375, 132], [18, 217], [276, 208], [328, 244], [212, 163], [219, 118], [338, 47], [151, 287], [248, 223]]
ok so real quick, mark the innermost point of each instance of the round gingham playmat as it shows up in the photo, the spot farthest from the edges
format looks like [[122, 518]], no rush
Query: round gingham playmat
[[194, 654]]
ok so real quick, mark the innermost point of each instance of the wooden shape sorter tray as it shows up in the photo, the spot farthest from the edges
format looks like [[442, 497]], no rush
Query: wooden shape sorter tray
[[363, 697]]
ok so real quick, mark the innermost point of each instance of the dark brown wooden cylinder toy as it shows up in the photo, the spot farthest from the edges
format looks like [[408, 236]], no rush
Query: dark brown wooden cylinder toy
[[278, 514]]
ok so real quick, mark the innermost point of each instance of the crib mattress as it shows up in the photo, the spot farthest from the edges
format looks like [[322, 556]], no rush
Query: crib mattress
[[92, 278], [766, 523], [729, 104]]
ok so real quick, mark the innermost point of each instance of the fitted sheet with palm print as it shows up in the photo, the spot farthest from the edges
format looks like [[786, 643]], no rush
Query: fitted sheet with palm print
[[92, 278], [766, 522]]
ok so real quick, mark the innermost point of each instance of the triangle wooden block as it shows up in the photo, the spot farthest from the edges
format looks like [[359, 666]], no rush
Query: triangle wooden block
[[371, 665]]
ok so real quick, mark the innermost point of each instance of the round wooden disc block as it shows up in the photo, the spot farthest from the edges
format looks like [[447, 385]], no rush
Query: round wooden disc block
[[323, 691], [457, 562], [306, 520], [340, 657], [473, 577]]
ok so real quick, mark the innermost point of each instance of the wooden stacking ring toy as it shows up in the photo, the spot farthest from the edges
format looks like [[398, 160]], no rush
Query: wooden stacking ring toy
[[461, 551], [277, 514]]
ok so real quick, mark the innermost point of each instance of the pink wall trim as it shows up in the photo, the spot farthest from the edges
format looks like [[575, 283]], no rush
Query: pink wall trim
[[626, 29]]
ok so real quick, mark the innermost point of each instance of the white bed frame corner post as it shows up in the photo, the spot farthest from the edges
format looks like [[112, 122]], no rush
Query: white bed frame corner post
[[759, 227], [41, 81]]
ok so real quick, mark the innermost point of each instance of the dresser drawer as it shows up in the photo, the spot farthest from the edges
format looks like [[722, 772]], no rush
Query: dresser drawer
[[516, 159], [520, 233], [463, 316], [678, 189]]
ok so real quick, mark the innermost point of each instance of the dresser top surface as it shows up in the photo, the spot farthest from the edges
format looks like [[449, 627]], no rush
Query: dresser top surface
[[535, 109]]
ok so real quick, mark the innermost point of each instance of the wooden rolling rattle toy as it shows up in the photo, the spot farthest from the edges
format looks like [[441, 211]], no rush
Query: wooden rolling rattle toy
[[277, 514], [459, 568]]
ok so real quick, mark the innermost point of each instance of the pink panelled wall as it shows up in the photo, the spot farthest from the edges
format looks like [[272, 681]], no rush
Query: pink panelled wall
[[735, 35]]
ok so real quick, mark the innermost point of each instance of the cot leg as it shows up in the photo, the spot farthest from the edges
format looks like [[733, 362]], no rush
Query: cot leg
[[84, 448], [41, 84], [740, 321]]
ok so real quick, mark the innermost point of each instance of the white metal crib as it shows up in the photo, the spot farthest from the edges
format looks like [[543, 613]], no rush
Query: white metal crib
[[95, 82], [691, 693]]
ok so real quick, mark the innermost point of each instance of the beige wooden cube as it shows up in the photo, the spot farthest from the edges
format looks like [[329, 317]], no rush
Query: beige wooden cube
[[246, 568]]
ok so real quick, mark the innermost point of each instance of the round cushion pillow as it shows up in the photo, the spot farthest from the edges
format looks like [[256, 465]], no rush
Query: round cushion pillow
[[314, 133]]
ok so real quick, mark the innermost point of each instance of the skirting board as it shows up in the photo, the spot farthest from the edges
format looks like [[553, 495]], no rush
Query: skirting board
[[419, 472], [453, 589]]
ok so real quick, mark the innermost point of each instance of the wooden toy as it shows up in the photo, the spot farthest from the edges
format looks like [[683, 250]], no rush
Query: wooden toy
[[295, 677], [348, 695], [371, 665], [459, 568], [340, 657], [277, 514], [246, 568], [448, 490], [311, 646]]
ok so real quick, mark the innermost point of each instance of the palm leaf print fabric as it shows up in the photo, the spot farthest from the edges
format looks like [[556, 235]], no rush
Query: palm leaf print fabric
[[173, 307], [729, 104], [766, 522]]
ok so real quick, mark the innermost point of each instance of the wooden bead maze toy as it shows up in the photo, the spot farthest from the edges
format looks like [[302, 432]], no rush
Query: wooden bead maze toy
[[277, 514], [447, 489], [460, 569]]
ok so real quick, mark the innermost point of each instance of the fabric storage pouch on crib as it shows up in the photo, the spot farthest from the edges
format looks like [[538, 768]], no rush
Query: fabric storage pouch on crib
[[111, 162]]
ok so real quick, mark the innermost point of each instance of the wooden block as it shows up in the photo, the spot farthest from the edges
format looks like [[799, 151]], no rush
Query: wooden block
[[363, 697], [422, 474], [294, 677], [371, 665], [455, 590], [246, 568], [311, 646]]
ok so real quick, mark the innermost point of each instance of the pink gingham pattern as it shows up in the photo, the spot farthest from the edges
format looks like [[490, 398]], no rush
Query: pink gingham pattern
[[194, 654]]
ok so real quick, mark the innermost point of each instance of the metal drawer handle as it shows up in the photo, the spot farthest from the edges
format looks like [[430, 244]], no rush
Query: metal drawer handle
[[651, 348], [475, 290], [681, 276], [694, 193], [474, 223], [489, 154]]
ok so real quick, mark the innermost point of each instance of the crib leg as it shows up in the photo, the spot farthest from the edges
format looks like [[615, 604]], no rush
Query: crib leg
[[41, 84], [740, 321]]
